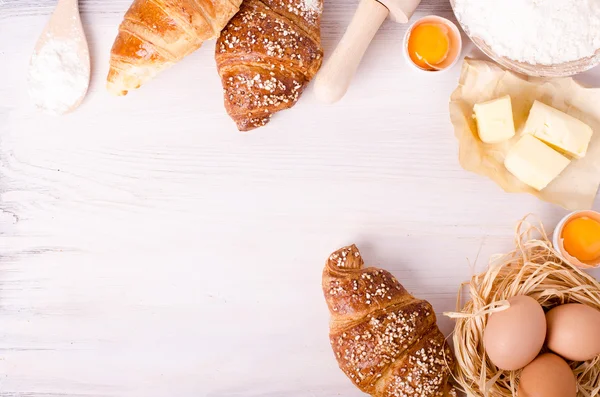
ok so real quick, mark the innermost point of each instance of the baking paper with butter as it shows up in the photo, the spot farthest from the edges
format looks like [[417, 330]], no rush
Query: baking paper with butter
[[481, 81]]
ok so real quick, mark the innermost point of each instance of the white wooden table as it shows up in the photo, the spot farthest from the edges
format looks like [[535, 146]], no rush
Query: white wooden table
[[149, 249]]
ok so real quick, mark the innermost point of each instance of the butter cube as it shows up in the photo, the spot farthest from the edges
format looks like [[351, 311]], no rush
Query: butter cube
[[558, 129], [495, 121], [535, 163]]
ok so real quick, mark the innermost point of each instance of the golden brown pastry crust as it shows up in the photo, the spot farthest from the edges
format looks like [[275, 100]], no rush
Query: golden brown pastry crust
[[385, 340], [156, 34], [266, 56]]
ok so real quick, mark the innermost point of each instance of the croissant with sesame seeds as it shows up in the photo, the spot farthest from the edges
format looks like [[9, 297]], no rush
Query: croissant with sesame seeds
[[266, 56], [385, 340], [156, 34]]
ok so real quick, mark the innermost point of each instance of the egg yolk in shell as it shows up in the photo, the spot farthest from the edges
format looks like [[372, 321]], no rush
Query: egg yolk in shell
[[429, 44], [581, 238]]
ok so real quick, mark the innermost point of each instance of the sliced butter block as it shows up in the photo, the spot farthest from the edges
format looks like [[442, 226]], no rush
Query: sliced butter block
[[495, 121], [535, 163], [558, 129]]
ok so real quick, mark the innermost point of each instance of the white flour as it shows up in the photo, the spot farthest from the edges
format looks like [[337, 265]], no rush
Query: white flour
[[57, 76], [535, 31]]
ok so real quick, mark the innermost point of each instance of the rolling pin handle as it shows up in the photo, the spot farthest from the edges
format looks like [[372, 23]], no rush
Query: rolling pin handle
[[334, 78]]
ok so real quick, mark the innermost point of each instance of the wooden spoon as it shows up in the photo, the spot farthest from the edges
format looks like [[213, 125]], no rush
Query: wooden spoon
[[59, 71]]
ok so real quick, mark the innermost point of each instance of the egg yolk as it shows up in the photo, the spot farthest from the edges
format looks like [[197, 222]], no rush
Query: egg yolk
[[428, 45], [581, 238]]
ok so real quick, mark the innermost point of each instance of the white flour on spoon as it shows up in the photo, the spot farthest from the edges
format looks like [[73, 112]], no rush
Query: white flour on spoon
[[57, 76], [543, 32]]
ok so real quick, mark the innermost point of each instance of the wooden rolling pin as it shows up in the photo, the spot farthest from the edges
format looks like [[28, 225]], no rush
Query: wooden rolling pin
[[334, 78]]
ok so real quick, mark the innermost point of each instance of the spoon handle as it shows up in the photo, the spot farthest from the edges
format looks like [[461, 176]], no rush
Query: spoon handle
[[65, 20], [70, 4]]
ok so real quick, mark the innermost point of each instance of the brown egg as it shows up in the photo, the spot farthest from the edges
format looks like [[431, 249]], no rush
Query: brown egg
[[574, 331], [547, 376], [514, 337]]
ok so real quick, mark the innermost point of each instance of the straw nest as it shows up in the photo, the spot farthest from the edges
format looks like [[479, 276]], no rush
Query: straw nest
[[535, 269]]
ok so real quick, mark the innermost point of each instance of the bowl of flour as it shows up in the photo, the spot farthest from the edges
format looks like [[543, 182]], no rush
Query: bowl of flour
[[547, 38]]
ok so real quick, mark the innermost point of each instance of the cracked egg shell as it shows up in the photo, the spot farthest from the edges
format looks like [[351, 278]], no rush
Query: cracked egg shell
[[580, 232]]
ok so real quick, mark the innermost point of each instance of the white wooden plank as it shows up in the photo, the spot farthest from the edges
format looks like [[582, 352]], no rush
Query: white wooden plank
[[149, 249]]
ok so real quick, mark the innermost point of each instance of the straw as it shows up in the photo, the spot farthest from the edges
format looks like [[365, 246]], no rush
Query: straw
[[535, 269]]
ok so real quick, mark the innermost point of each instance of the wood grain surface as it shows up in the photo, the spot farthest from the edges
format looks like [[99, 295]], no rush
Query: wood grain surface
[[149, 249]]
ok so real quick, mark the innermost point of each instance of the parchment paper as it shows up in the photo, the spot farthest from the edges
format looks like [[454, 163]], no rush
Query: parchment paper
[[481, 81]]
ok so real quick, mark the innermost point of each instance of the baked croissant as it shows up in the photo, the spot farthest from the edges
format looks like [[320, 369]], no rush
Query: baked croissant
[[156, 34], [266, 56], [385, 340]]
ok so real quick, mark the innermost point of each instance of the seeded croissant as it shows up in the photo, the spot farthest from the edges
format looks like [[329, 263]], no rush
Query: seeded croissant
[[385, 340], [156, 34], [266, 56]]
